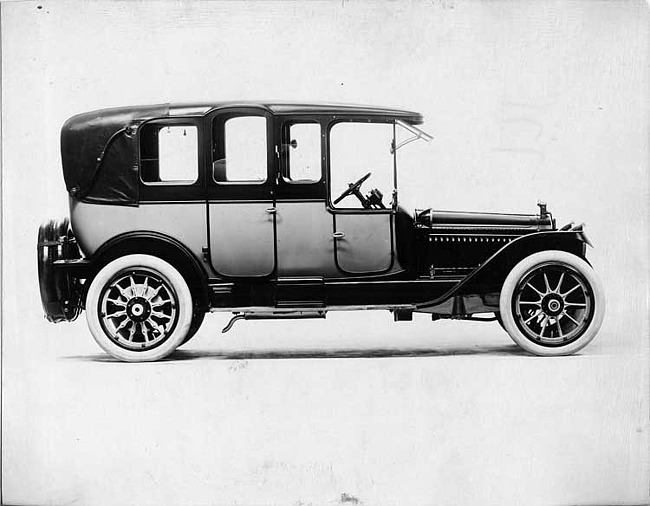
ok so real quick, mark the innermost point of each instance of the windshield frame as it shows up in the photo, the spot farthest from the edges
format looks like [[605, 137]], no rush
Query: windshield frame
[[417, 134]]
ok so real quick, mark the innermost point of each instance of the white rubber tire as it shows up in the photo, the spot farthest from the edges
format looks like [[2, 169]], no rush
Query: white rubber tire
[[184, 307], [520, 271]]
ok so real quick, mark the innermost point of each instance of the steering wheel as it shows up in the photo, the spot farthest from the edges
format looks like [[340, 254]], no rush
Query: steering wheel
[[353, 188]]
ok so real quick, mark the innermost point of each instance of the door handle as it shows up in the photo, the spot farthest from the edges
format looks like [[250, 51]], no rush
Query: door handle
[[271, 210], [338, 235]]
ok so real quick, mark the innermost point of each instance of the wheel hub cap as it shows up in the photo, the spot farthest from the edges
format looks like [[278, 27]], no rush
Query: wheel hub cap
[[138, 309], [552, 305]]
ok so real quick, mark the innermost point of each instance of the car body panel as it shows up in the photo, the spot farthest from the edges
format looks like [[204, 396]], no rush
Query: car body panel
[[365, 246], [242, 238], [311, 252], [96, 224]]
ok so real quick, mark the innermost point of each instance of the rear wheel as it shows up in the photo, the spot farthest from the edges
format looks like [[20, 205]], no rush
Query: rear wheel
[[552, 303], [197, 320], [139, 308]]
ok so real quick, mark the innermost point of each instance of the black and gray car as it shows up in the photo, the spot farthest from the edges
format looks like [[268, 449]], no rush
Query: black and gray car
[[259, 209]]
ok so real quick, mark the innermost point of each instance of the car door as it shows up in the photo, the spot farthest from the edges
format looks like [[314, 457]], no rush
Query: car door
[[241, 204], [305, 246], [363, 234], [363, 241]]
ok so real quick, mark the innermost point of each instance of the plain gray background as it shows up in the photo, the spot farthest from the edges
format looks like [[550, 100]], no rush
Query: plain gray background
[[526, 101]]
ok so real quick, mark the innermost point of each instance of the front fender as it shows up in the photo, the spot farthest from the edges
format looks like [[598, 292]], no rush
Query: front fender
[[492, 273]]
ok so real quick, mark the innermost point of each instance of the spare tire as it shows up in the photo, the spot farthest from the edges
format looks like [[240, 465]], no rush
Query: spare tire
[[60, 293]]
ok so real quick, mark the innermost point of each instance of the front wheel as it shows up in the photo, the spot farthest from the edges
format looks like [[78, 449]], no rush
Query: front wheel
[[139, 308], [552, 303]]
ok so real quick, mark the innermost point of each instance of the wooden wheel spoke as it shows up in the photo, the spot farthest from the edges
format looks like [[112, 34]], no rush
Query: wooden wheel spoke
[[134, 288], [538, 292], [537, 303], [571, 318], [544, 324], [158, 314], [153, 293], [123, 325], [155, 326], [531, 318], [564, 295], [132, 331], [145, 331], [123, 292]]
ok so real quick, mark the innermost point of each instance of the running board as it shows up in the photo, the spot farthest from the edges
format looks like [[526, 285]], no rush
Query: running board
[[287, 315], [294, 292]]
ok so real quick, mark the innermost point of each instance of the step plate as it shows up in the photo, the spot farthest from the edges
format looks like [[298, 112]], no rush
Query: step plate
[[300, 292]]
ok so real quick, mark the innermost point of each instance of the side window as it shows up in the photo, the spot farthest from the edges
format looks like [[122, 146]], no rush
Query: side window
[[301, 147], [169, 154], [244, 151], [357, 149]]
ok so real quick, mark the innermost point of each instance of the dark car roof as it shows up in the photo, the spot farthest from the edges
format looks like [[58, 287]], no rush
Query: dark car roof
[[281, 107]]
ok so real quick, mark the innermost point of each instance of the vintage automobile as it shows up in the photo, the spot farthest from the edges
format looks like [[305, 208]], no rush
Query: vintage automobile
[[248, 208]]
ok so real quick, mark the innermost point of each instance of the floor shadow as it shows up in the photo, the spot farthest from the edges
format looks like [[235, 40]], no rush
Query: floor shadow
[[345, 353]]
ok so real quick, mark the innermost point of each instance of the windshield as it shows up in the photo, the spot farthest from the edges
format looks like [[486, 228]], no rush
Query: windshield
[[358, 148], [361, 151]]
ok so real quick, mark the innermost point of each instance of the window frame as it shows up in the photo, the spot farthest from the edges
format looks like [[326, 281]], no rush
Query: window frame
[[159, 124], [285, 160], [269, 142], [238, 192], [391, 206]]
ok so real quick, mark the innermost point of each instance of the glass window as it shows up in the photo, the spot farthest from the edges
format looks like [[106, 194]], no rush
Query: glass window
[[245, 151], [357, 149], [169, 154], [302, 152]]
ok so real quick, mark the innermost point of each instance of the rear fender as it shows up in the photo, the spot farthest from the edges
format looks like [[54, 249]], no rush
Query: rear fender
[[161, 246]]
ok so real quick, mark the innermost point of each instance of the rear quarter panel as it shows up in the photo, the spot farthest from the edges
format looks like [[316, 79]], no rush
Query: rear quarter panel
[[95, 224]]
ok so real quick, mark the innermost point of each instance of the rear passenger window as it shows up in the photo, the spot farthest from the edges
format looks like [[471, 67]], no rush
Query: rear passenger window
[[244, 156], [169, 154]]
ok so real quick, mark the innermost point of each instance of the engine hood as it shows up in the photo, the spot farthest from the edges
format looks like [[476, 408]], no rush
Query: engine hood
[[463, 219]]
